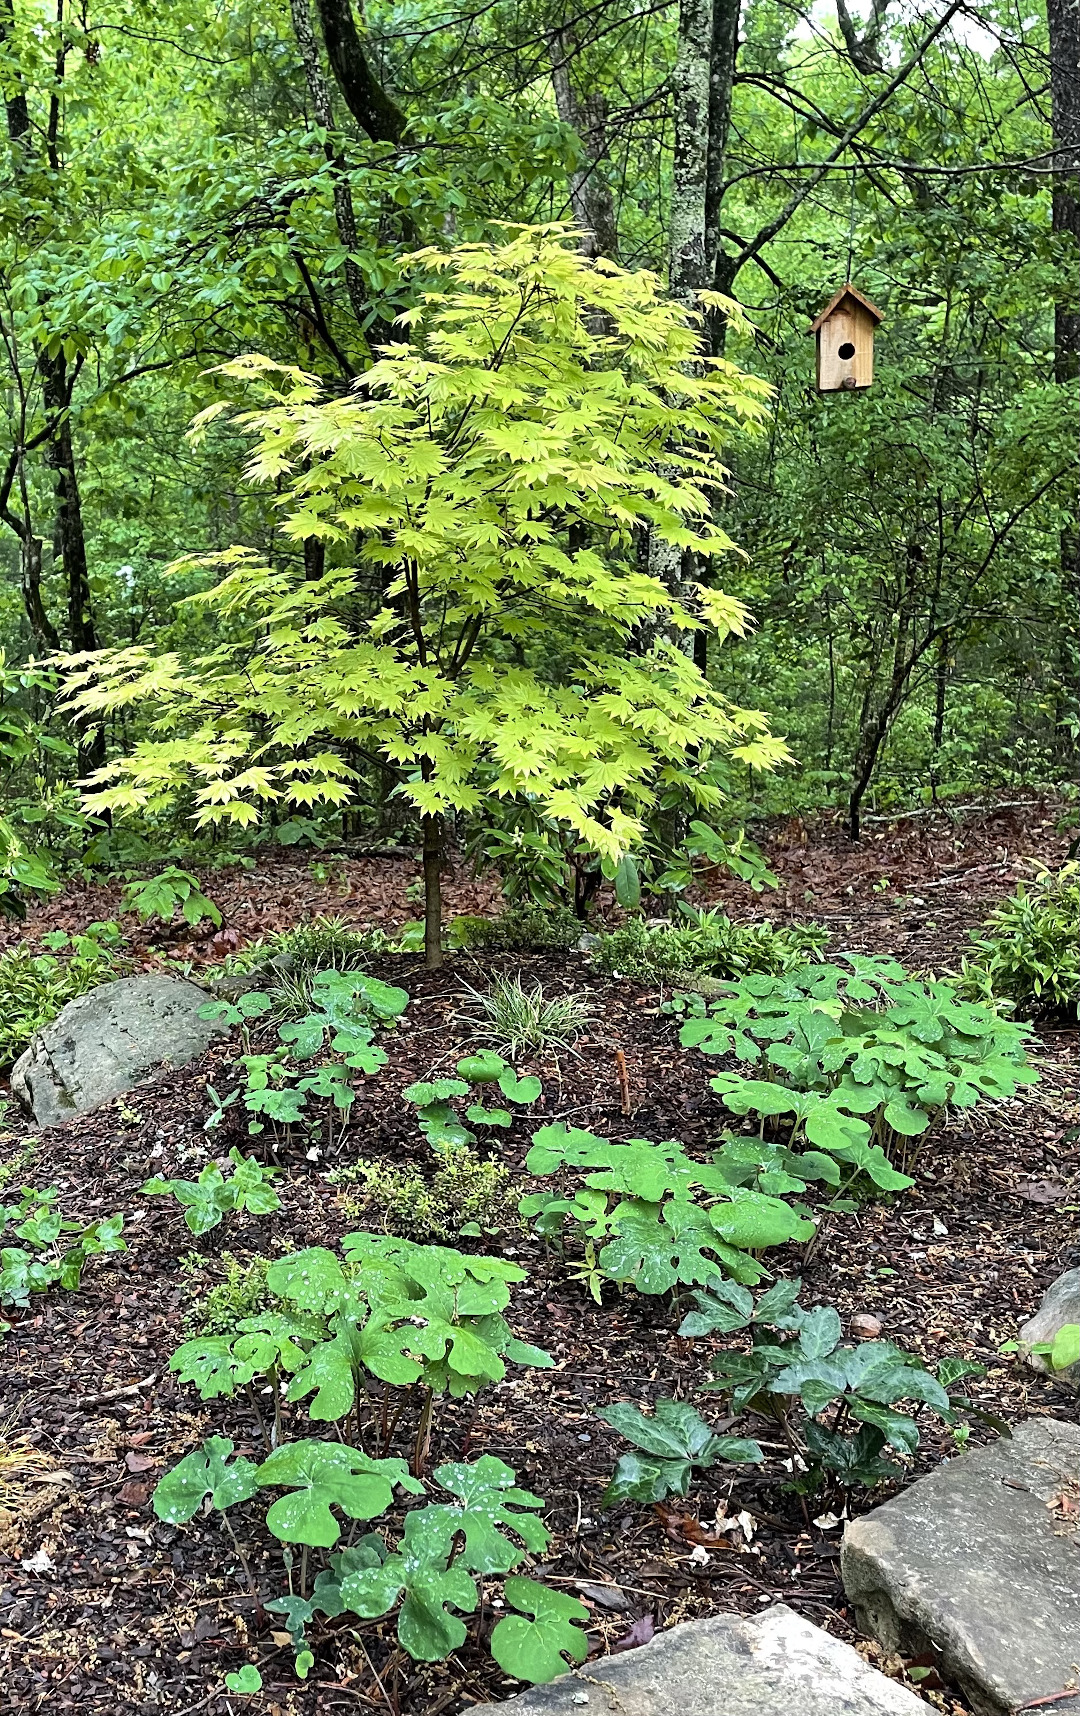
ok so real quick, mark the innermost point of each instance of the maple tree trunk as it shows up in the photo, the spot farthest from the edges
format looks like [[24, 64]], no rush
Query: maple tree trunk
[[433, 851]]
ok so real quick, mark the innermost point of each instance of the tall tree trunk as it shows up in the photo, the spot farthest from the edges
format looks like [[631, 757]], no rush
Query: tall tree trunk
[[319, 96], [433, 855], [591, 200], [1063, 20], [374, 110], [692, 93], [725, 47]]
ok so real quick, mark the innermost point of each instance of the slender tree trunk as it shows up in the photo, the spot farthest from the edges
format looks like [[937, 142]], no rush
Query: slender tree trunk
[[433, 854], [46, 637], [591, 200], [319, 96], [1063, 20]]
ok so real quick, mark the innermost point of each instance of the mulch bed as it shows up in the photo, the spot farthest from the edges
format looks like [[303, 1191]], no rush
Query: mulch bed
[[105, 1609]]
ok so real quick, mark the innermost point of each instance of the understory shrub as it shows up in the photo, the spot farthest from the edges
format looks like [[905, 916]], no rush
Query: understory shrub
[[465, 1196], [708, 943], [1028, 950], [327, 943], [523, 928], [858, 1059], [35, 987]]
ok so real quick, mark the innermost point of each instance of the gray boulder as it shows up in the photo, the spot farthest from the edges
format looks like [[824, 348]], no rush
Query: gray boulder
[[1060, 1304], [106, 1041], [775, 1664], [979, 1563]]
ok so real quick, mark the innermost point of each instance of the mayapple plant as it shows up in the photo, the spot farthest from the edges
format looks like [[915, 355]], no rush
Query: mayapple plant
[[492, 478]]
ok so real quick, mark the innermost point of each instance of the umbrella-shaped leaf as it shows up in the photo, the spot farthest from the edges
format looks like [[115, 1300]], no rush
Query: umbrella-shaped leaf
[[489, 1504], [419, 1569], [205, 1472], [322, 1476], [534, 1649]]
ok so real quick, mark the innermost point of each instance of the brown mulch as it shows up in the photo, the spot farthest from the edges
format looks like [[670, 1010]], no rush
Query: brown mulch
[[105, 1609]]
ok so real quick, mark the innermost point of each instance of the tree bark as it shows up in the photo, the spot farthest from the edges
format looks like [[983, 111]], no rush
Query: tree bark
[[344, 213], [1063, 19], [591, 202], [687, 271], [433, 853], [373, 109]]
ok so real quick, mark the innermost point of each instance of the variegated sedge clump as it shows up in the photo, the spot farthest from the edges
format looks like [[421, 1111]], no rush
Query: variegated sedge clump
[[492, 478]]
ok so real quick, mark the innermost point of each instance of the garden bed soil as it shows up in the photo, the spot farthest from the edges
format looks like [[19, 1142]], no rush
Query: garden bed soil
[[104, 1609]]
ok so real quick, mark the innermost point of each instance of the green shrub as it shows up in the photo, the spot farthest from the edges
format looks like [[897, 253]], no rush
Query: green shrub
[[466, 1195], [1028, 951], [242, 1293], [519, 929], [163, 895], [35, 987], [709, 943], [322, 944]]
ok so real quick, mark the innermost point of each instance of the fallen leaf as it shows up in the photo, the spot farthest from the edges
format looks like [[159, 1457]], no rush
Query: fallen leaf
[[640, 1633]]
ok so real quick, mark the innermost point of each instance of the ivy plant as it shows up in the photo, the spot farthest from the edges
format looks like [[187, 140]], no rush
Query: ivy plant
[[207, 1200], [54, 1250], [641, 1200]]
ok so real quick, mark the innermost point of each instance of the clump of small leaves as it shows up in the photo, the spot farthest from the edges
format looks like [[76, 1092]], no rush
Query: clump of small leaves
[[465, 1196], [836, 1402], [638, 1208], [207, 1200], [1028, 950], [241, 1293], [522, 928], [172, 890], [705, 942], [34, 987], [327, 943], [54, 1249], [858, 1059], [520, 1021]]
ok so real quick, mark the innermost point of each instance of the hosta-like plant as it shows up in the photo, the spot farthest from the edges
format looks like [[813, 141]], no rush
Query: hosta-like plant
[[837, 1401], [485, 1527], [858, 1058], [54, 1250], [207, 1200], [643, 1201]]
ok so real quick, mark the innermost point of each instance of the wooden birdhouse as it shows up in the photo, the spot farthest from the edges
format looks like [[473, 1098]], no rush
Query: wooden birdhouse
[[845, 341]]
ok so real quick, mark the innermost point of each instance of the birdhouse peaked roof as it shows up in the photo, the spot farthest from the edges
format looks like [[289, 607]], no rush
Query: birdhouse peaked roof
[[846, 291]]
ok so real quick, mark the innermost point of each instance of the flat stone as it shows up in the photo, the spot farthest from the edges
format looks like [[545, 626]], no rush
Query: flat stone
[[980, 1563], [106, 1041], [1059, 1305], [775, 1664]]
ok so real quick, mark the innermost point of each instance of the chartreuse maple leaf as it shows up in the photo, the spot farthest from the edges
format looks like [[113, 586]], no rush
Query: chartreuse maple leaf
[[496, 473]]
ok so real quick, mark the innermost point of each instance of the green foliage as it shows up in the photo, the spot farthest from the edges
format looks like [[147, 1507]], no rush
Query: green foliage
[[34, 987], [710, 943], [520, 1021], [207, 1200], [240, 1294], [521, 928], [1063, 1352], [442, 1126], [639, 1199], [397, 1311], [537, 394], [465, 1195], [52, 1258], [672, 1443], [485, 1527], [1028, 950], [325, 943], [246, 1679], [799, 1360], [163, 895], [832, 1046]]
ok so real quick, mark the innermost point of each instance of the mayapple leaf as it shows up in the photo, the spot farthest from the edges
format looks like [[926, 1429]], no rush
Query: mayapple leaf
[[489, 1504], [481, 1116], [322, 1476], [312, 1279], [426, 1092], [204, 1472], [426, 1629], [535, 1649], [520, 1090], [484, 1067]]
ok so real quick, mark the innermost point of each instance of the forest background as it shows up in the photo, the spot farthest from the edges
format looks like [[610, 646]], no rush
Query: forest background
[[186, 184]]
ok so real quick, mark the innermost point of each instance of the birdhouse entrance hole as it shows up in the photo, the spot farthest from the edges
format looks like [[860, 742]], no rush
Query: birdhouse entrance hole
[[845, 341]]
